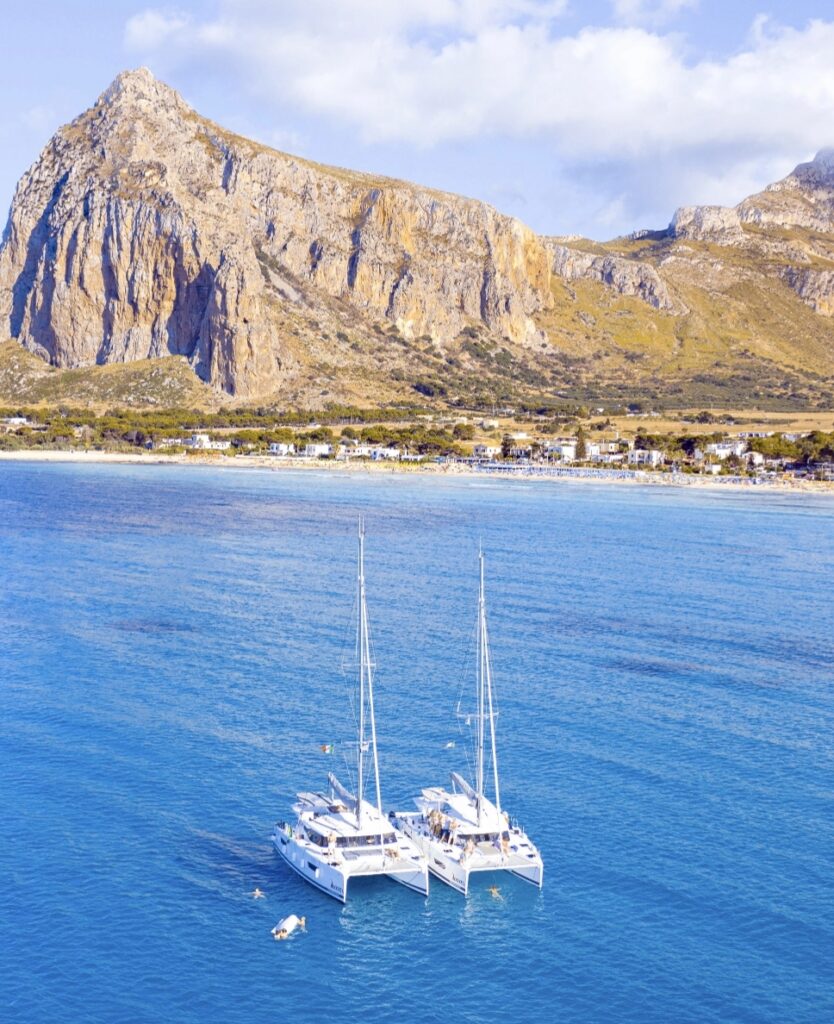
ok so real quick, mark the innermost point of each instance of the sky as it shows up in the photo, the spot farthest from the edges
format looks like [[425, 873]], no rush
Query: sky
[[594, 118]]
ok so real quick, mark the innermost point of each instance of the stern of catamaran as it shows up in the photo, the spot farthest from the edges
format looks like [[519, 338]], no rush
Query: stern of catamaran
[[412, 875], [534, 874]]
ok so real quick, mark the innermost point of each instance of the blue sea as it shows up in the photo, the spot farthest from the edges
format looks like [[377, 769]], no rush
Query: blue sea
[[173, 643]]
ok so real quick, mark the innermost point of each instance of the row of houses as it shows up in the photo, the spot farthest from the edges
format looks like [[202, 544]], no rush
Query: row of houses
[[346, 449], [343, 451], [197, 442], [561, 449], [621, 452]]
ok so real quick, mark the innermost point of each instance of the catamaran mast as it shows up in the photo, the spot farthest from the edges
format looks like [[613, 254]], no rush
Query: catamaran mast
[[488, 685], [366, 685], [479, 760], [485, 707]]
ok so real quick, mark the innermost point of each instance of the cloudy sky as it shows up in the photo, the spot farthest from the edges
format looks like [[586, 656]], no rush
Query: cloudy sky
[[578, 116]]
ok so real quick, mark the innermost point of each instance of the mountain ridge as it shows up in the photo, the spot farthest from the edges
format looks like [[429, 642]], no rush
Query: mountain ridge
[[144, 230]]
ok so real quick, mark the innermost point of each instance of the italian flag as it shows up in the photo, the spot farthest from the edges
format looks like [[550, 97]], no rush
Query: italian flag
[[327, 748]]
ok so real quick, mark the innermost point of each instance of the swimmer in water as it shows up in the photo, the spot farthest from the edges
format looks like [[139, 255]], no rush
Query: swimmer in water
[[495, 892], [256, 894]]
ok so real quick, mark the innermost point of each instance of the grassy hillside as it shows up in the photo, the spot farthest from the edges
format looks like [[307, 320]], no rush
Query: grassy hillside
[[156, 383], [747, 339]]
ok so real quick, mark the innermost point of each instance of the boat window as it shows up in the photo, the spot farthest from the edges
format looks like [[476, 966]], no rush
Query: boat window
[[354, 842], [313, 867]]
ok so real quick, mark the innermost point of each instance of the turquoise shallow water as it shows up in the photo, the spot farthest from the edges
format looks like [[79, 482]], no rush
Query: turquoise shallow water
[[171, 642]]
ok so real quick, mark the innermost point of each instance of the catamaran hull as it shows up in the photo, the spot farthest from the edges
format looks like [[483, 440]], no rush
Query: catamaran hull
[[451, 872], [417, 880], [456, 874], [533, 875], [327, 878], [333, 879]]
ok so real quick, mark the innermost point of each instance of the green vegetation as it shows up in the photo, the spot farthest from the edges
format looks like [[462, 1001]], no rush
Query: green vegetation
[[160, 383], [814, 447], [246, 429]]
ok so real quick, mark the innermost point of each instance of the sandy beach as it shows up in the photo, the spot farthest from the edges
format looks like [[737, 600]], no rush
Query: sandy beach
[[569, 475]]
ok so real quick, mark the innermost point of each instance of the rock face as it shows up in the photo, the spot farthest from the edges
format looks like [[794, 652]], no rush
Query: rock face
[[804, 199], [815, 287], [707, 223], [144, 230], [762, 225], [625, 276]]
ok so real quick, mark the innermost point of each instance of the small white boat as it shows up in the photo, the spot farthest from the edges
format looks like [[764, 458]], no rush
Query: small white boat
[[340, 835], [287, 925], [461, 831]]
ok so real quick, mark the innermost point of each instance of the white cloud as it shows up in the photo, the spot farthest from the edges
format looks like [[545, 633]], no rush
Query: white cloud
[[456, 69], [650, 12], [151, 29], [448, 71]]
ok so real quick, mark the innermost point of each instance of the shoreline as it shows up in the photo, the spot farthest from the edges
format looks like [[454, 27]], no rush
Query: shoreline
[[277, 464]]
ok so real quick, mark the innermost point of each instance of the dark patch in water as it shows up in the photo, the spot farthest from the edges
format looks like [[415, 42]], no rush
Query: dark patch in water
[[153, 626], [651, 667]]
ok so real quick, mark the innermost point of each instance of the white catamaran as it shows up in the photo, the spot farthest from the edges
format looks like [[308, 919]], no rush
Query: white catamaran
[[462, 831], [339, 835]]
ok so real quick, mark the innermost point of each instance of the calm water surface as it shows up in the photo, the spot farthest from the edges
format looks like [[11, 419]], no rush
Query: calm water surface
[[171, 647]]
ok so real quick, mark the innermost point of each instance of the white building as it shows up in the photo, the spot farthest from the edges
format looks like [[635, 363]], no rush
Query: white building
[[486, 451], [520, 452], [613, 447], [724, 449], [202, 442], [355, 450], [645, 457], [281, 448], [318, 450], [561, 450], [385, 454]]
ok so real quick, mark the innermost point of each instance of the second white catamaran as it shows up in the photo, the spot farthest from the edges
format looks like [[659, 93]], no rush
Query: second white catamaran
[[461, 831], [338, 835]]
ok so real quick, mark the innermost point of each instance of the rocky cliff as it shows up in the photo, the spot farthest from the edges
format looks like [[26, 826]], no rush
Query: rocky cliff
[[625, 276], [804, 199], [144, 230]]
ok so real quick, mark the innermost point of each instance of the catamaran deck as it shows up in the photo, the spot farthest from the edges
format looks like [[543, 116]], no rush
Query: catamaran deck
[[484, 855], [328, 847]]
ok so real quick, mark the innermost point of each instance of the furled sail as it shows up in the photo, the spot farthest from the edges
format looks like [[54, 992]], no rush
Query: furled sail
[[345, 795]]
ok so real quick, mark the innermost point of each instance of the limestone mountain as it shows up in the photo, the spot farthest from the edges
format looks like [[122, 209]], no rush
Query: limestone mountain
[[146, 232], [743, 296]]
